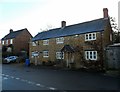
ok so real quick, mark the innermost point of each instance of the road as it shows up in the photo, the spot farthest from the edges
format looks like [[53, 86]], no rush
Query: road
[[21, 77]]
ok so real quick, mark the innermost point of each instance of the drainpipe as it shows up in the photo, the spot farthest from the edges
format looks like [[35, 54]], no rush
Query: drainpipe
[[35, 60], [67, 59]]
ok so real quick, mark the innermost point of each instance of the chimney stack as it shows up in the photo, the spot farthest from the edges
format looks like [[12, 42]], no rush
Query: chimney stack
[[63, 24], [105, 13], [11, 30]]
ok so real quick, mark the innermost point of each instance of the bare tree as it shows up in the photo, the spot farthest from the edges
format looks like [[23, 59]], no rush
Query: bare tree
[[116, 30]]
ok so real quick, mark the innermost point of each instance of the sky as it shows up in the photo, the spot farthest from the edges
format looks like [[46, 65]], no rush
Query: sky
[[40, 15]]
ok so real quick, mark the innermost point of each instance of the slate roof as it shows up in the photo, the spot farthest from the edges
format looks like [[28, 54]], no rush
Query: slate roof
[[13, 34], [85, 27]]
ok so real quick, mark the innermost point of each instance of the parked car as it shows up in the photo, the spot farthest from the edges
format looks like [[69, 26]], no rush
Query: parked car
[[10, 59]]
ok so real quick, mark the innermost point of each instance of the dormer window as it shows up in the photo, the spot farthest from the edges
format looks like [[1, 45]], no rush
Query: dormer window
[[90, 36]]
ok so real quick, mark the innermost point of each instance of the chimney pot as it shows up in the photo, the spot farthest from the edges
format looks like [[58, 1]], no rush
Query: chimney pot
[[11, 30], [105, 13], [63, 24]]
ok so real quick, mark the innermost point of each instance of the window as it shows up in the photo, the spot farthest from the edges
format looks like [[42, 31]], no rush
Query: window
[[86, 36], [33, 44], [11, 41], [37, 42], [60, 40], [90, 36], [3, 42], [91, 55], [94, 36], [45, 54], [6, 41], [110, 37], [35, 53], [59, 55], [45, 42]]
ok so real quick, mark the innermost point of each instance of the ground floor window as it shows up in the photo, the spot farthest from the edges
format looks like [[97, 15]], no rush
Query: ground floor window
[[59, 55], [91, 55], [34, 53], [45, 54]]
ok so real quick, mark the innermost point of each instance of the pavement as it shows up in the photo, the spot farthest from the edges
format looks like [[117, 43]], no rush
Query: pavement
[[110, 73]]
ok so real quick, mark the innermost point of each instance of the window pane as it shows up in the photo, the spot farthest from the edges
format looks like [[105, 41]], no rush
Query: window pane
[[86, 37], [90, 54], [95, 55], [94, 36], [87, 55], [90, 36]]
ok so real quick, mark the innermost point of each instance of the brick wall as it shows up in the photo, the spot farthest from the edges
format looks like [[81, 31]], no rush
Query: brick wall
[[75, 40], [21, 42]]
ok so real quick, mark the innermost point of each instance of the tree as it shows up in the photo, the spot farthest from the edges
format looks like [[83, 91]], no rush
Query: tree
[[48, 27], [116, 30]]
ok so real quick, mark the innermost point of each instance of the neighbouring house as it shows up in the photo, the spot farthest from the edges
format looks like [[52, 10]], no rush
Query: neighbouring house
[[16, 41], [0, 45], [78, 45], [112, 56]]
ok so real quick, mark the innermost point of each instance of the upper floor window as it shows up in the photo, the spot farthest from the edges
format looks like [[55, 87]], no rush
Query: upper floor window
[[33, 44], [3, 42], [60, 40], [45, 53], [59, 55], [110, 37], [91, 55], [45, 42], [11, 41], [6, 41], [90, 36]]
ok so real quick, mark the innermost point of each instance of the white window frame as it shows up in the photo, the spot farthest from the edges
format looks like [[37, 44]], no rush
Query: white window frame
[[90, 36], [11, 41], [45, 42], [60, 40], [45, 54], [6, 41], [3, 42], [34, 44], [58, 55], [110, 37], [89, 55], [35, 53]]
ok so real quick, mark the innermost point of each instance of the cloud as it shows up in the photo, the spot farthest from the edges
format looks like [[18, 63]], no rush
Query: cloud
[[52, 12]]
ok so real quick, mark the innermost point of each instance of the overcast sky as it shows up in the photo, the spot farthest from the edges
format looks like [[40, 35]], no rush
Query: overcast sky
[[37, 15]]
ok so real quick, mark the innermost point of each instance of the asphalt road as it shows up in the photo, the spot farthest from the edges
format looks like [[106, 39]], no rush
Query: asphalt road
[[20, 77]]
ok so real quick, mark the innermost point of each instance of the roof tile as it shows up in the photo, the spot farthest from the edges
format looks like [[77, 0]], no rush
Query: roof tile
[[86, 27]]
